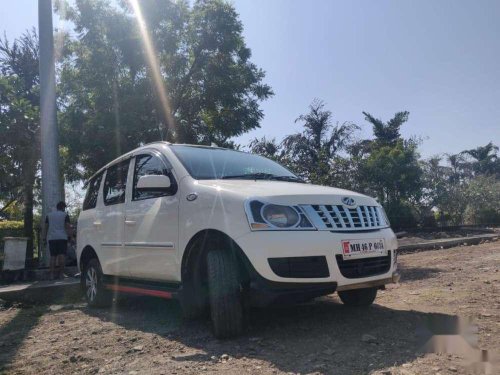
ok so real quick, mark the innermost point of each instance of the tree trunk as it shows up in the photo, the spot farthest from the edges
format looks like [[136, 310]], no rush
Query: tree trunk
[[28, 220], [29, 175]]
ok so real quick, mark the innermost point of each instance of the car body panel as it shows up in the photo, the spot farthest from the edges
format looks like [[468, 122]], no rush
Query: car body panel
[[218, 205]]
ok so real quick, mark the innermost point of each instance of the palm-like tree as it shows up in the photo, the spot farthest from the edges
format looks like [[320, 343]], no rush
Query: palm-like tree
[[313, 149], [457, 165], [387, 133], [485, 159]]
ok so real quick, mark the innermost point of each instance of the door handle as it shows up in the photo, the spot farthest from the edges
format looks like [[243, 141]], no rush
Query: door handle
[[97, 223], [130, 222]]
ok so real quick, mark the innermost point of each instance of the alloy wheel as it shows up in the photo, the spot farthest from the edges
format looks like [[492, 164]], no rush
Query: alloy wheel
[[91, 283]]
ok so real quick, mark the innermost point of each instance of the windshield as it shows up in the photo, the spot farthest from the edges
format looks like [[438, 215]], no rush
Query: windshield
[[205, 163]]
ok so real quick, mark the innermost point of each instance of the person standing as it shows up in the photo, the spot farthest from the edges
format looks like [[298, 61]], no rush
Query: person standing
[[57, 232]]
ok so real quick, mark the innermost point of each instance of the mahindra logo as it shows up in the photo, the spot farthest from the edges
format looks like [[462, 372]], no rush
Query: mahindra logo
[[348, 201]]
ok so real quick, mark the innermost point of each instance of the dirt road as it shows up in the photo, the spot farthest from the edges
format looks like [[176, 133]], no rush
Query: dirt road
[[147, 336]]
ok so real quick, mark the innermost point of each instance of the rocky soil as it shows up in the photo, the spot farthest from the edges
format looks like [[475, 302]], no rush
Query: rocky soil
[[454, 293]]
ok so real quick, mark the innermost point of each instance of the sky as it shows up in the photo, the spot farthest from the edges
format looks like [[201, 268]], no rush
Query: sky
[[439, 60]]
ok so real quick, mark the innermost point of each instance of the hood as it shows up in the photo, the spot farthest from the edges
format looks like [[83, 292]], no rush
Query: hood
[[286, 192]]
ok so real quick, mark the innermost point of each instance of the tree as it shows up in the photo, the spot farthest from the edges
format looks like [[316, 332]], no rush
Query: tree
[[387, 133], [389, 169], [267, 148], [19, 125], [111, 102], [485, 159], [483, 201], [459, 169], [312, 151]]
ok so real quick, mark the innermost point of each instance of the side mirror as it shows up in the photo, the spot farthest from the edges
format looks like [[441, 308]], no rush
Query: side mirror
[[153, 182]]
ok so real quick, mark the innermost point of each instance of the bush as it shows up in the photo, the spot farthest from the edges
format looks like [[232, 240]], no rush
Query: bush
[[483, 206], [401, 215], [429, 221]]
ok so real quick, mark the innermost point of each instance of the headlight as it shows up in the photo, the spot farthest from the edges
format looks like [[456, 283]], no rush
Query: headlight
[[280, 216], [266, 216]]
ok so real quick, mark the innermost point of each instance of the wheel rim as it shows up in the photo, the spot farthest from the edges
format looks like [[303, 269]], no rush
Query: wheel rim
[[91, 283]]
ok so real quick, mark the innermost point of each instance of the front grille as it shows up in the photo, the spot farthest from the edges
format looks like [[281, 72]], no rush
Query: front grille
[[300, 267], [342, 218], [364, 267]]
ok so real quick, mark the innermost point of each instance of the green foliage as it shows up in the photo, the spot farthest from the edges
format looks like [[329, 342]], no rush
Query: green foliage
[[11, 225], [312, 151], [19, 126], [387, 133], [401, 215], [393, 173], [437, 191], [267, 148], [112, 105], [483, 201], [13, 211], [485, 160]]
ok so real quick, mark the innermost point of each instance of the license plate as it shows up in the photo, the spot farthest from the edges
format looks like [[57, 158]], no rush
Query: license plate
[[363, 248]]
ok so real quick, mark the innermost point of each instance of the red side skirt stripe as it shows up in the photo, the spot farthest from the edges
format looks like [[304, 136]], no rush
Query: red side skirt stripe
[[144, 292]]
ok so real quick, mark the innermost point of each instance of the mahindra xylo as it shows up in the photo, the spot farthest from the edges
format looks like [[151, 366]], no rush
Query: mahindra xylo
[[222, 229]]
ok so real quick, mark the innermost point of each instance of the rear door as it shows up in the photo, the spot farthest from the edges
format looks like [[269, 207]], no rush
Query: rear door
[[110, 220], [151, 222]]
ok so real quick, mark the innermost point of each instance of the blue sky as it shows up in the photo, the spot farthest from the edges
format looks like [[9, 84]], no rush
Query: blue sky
[[440, 60]]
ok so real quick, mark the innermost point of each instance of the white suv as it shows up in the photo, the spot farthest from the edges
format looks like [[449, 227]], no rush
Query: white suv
[[222, 230]]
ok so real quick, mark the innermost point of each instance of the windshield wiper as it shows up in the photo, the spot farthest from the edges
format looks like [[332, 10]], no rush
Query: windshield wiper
[[264, 176], [250, 176], [289, 179]]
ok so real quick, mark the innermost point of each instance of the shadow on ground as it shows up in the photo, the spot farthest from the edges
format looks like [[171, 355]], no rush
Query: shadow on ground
[[13, 334], [322, 336]]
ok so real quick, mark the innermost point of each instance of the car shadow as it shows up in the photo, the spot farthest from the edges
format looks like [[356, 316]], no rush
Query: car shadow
[[322, 336]]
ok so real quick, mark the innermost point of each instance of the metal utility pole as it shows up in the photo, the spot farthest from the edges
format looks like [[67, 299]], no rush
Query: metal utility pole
[[51, 185]]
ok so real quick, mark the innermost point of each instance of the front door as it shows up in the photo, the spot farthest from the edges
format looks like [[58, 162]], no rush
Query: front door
[[151, 222]]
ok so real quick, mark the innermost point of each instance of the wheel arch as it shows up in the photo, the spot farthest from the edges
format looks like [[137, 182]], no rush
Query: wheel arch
[[194, 258], [87, 254]]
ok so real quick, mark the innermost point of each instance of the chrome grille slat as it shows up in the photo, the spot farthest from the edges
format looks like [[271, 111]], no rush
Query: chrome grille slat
[[368, 219], [340, 217], [329, 216], [349, 216], [372, 210]]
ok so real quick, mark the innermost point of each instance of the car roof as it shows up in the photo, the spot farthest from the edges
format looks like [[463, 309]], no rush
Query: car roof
[[146, 146]]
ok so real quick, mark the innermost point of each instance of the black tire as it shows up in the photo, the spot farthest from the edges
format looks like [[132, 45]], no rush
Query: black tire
[[95, 291], [358, 297], [224, 292]]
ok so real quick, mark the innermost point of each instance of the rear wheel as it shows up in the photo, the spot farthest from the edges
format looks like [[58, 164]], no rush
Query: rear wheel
[[95, 291], [224, 292], [358, 297]]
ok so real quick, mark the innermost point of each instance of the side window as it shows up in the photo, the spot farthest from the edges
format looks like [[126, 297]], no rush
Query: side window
[[90, 200], [115, 183], [151, 165]]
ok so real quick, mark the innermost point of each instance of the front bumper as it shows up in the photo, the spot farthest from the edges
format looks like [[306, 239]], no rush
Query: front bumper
[[258, 247]]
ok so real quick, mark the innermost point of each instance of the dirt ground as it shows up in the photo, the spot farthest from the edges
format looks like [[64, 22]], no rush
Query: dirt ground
[[147, 336]]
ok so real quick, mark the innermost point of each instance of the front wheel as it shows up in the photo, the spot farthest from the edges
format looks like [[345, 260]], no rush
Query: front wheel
[[224, 292], [96, 294], [358, 297]]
